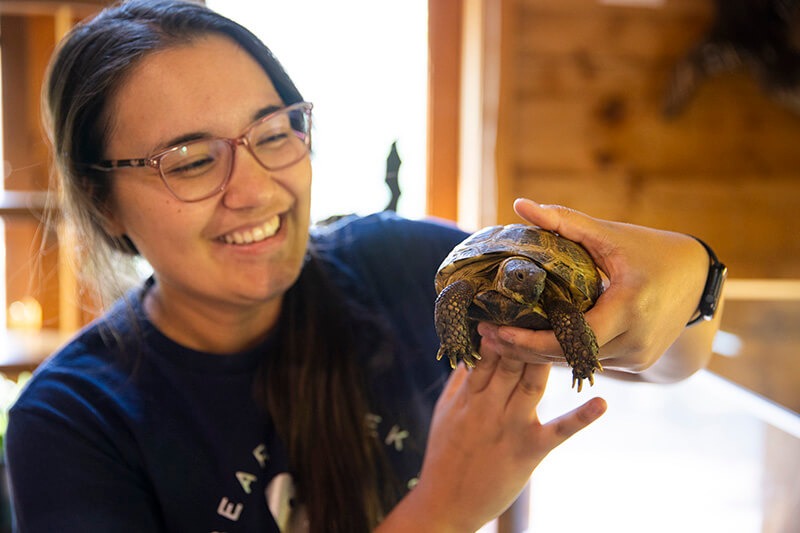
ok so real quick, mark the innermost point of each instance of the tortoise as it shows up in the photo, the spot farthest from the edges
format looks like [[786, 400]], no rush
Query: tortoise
[[523, 276]]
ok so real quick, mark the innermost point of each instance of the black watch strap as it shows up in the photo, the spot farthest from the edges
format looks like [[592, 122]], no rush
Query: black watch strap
[[709, 301]]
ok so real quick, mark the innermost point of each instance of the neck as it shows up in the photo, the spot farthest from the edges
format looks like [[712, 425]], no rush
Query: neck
[[210, 326]]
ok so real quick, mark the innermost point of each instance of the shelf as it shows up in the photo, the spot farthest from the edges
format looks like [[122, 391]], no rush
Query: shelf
[[22, 203], [22, 351]]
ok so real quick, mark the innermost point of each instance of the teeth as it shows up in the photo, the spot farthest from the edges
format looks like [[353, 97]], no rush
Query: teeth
[[259, 233]]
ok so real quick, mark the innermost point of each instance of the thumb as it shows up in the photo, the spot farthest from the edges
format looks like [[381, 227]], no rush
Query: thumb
[[565, 426]]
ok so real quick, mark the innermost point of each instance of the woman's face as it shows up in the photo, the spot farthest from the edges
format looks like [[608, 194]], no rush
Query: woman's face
[[210, 88]]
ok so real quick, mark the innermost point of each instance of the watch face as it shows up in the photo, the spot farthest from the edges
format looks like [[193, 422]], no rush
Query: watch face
[[717, 275]]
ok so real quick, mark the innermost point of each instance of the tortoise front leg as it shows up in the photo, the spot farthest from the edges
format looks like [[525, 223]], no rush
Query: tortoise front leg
[[576, 338], [452, 325]]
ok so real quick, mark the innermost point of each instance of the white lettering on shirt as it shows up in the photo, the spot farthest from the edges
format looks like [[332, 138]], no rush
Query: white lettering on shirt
[[229, 510], [245, 480], [372, 422], [261, 455], [396, 436]]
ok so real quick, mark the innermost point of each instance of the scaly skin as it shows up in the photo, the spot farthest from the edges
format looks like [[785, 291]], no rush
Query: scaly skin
[[452, 324], [576, 338]]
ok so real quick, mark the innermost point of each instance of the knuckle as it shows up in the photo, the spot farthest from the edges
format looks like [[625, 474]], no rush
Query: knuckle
[[509, 367], [529, 388]]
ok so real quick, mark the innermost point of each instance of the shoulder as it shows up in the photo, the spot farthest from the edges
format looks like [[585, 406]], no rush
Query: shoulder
[[388, 238], [89, 374]]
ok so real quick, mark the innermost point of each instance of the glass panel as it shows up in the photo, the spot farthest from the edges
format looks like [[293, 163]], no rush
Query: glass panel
[[366, 74], [700, 455]]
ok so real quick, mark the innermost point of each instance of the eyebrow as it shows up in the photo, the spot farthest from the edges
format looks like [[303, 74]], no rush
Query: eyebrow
[[264, 111], [196, 135]]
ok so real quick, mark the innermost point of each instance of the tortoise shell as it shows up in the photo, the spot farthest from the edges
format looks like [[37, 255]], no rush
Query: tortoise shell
[[566, 262]]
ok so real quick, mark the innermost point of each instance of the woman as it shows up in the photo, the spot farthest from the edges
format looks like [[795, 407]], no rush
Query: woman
[[263, 379]]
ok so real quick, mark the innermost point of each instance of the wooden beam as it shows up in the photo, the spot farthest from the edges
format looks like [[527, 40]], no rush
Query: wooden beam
[[444, 97]]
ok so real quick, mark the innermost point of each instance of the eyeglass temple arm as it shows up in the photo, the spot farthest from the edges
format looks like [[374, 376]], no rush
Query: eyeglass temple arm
[[120, 163]]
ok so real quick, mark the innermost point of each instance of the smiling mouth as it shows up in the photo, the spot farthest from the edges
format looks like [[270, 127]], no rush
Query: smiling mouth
[[256, 234]]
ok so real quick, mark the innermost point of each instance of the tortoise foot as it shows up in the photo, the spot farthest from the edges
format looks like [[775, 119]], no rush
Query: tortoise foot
[[585, 369], [577, 340], [453, 353]]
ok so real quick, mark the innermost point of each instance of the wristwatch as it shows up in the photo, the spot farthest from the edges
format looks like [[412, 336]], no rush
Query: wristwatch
[[717, 274]]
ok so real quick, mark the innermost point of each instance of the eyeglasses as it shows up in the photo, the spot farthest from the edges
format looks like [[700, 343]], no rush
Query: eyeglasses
[[197, 170]]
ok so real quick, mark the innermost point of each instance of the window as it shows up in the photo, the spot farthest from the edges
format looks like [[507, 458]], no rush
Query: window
[[363, 63]]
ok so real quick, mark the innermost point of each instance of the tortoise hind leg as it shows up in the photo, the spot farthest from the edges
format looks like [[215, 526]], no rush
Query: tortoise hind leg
[[576, 338], [452, 324]]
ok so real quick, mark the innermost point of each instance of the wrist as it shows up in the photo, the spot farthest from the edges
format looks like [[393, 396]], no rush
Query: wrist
[[712, 289], [423, 512]]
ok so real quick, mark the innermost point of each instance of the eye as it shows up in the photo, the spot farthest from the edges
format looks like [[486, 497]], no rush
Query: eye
[[519, 275], [192, 167], [273, 139]]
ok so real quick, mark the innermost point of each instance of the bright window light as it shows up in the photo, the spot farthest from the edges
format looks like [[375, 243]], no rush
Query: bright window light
[[664, 458], [363, 63], [2, 222]]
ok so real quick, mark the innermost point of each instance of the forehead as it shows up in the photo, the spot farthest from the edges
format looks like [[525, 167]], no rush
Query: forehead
[[210, 85]]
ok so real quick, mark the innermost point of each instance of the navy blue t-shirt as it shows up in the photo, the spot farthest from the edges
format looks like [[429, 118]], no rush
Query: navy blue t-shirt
[[159, 437]]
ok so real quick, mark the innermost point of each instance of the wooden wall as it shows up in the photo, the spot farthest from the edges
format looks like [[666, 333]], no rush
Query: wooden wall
[[582, 125], [588, 131], [28, 41], [29, 32]]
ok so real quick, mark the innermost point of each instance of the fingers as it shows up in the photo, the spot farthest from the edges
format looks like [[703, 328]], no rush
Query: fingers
[[592, 233], [497, 378], [454, 382], [521, 407], [480, 376], [533, 346], [507, 375], [560, 429]]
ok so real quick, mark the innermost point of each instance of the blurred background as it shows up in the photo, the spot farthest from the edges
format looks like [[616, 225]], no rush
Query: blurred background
[[677, 114]]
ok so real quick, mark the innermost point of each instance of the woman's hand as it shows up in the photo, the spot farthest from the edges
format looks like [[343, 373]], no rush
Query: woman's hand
[[654, 282], [485, 441]]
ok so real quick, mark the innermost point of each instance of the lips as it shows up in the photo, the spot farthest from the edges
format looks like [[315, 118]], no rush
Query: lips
[[254, 234]]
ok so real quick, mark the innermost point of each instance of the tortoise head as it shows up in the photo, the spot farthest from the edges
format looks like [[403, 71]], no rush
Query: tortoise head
[[520, 279]]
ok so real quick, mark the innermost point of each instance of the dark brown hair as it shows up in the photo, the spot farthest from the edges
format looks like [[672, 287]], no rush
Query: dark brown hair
[[314, 388]]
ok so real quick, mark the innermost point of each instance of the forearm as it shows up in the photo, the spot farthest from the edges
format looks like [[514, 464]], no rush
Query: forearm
[[690, 352], [417, 512]]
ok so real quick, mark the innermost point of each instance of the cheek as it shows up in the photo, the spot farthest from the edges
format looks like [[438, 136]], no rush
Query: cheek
[[301, 180], [149, 219], [298, 184]]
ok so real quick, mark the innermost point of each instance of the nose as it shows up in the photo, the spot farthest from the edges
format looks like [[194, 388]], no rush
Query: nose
[[250, 184]]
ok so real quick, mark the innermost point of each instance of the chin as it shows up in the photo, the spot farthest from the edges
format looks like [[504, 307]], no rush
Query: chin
[[275, 285]]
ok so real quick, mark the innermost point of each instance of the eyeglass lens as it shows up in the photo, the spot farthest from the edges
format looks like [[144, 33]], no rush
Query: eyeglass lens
[[199, 169]]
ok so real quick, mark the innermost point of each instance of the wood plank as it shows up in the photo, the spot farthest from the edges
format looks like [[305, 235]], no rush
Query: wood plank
[[81, 8], [27, 44], [747, 219], [444, 94], [656, 34], [598, 8], [730, 127]]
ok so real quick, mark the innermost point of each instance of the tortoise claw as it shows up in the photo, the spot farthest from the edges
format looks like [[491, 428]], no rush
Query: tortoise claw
[[469, 357]]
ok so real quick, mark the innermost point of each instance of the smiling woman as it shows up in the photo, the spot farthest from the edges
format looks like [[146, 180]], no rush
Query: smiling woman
[[269, 376]]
